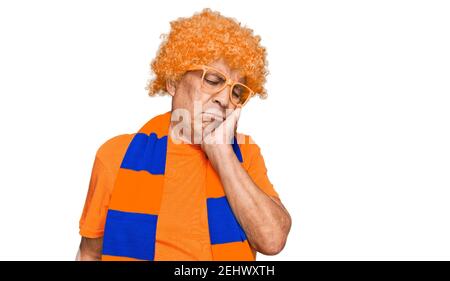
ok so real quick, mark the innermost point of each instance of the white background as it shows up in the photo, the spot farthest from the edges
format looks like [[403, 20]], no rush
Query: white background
[[355, 131]]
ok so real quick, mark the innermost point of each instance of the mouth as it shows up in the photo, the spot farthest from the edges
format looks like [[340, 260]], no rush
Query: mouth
[[212, 115]]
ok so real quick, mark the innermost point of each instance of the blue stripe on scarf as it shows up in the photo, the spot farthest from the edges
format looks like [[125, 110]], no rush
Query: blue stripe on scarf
[[237, 150], [223, 226], [146, 152], [130, 235]]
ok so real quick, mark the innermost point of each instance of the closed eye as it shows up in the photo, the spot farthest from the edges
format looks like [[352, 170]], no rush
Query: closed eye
[[214, 80]]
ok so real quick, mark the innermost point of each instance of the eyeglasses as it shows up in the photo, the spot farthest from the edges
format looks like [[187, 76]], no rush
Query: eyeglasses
[[214, 81]]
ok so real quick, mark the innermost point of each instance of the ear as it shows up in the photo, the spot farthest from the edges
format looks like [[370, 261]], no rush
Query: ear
[[171, 87]]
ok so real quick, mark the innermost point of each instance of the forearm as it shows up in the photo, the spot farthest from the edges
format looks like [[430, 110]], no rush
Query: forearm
[[88, 257], [90, 249], [265, 221]]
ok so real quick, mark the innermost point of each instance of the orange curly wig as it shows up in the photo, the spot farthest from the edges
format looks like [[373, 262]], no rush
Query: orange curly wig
[[203, 38]]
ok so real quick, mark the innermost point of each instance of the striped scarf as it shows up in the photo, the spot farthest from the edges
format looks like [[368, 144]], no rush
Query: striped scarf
[[132, 220]]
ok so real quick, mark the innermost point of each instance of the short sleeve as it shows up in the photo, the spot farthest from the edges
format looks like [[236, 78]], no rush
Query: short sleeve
[[257, 168], [93, 218], [103, 175]]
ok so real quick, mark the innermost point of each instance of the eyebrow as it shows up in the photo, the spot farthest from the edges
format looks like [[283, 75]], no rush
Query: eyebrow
[[243, 80]]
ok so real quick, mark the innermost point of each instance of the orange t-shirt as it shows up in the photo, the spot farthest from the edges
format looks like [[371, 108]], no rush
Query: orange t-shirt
[[183, 225]]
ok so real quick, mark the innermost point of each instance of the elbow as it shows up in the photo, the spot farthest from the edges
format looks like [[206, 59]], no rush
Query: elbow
[[272, 246], [274, 241], [272, 249]]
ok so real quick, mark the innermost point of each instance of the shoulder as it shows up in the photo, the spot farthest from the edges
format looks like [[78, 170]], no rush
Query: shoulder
[[246, 141], [248, 147], [113, 149]]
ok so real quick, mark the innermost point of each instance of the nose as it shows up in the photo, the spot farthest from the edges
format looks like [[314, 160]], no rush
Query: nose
[[222, 97]]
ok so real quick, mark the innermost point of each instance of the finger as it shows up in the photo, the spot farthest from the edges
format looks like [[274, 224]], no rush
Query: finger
[[231, 124], [234, 116], [227, 129], [238, 115]]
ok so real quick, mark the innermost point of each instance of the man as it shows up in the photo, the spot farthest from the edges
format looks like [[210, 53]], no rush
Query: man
[[187, 186]]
